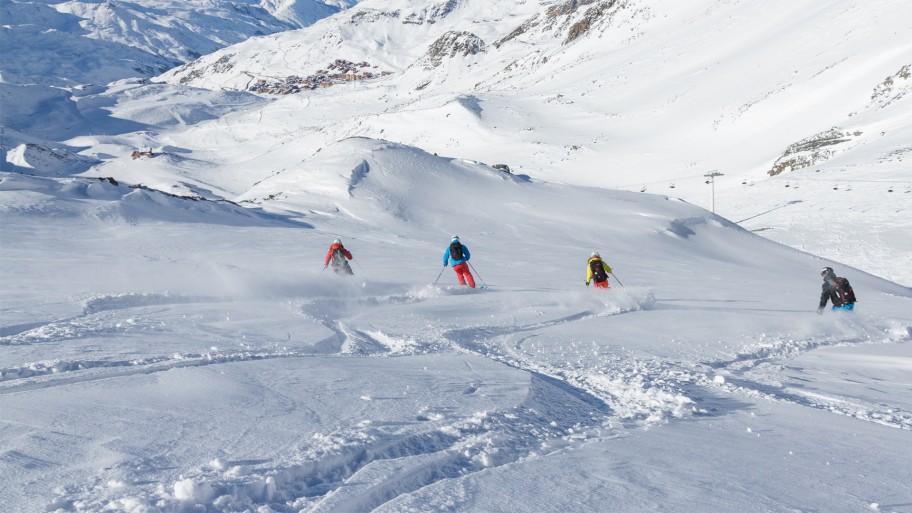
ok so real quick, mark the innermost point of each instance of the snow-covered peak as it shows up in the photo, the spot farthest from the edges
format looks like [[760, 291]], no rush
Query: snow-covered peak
[[396, 33], [99, 41]]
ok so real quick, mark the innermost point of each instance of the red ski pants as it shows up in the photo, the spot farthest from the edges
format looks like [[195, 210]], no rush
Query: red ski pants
[[601, 285], [463, 274]]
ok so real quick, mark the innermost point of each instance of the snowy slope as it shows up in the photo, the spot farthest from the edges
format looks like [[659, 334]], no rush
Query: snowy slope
[[168, 354], [638, 95], [171, 341]]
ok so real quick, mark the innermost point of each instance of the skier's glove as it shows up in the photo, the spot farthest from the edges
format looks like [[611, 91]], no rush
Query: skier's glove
[[820, 311], [587, 283]]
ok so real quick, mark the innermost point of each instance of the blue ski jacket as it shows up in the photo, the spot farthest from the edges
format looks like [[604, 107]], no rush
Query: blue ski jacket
[[465, 253]]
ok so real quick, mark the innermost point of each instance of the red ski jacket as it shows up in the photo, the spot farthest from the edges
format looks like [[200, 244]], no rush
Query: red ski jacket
[[329, 254]]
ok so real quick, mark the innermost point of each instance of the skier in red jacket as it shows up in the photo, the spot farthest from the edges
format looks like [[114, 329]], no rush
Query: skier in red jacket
[[337, 256]]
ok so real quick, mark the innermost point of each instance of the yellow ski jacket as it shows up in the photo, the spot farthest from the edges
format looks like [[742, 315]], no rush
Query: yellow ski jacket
[[589, 268]]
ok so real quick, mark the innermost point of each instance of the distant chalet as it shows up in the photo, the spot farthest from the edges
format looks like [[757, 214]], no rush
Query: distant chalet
[[338, 72]]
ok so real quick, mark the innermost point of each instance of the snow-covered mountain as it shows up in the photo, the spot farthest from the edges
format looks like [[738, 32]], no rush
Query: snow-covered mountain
[[168, 354], [714, 85], [96, 42], [804, 108], [171, 341], [57, 54]]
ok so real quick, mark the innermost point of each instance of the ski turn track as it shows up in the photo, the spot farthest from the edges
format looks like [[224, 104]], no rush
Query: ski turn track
[[368, 467]]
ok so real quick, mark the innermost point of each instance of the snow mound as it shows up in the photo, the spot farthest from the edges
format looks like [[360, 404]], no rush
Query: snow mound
[[371, 179], [43, 161], [104, 199]]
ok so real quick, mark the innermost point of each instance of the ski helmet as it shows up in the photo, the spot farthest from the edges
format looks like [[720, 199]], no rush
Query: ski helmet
[[455, 237], [337, 241], [594, 255], [827, 271]]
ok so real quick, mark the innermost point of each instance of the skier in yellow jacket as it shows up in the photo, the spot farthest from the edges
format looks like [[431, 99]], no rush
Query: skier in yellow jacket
[[597, 270]]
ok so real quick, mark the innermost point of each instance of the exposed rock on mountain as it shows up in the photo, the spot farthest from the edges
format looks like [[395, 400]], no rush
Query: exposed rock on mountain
[[813, 150], [452, 44]]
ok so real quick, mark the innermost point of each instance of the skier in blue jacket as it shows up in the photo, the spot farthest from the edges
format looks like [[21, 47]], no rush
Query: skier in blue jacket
[[457, 253]]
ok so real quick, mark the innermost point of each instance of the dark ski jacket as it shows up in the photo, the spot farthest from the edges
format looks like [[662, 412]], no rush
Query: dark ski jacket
[[838, 291]]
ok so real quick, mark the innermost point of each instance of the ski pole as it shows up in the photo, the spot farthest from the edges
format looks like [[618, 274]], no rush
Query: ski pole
[[359, 265], [476, 274], [439, 275], [619, 281]]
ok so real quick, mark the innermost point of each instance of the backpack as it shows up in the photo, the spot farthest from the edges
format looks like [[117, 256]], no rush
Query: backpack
[[598, 271], [456, 250], [844, 290], [337, 257]]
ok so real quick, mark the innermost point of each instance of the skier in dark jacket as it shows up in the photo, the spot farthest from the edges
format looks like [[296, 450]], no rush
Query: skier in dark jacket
[[837, 290], [337, 255]]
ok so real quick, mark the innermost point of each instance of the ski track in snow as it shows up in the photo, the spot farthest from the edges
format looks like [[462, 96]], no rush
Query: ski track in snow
[[361, 468], [737, 374], [98, 319]]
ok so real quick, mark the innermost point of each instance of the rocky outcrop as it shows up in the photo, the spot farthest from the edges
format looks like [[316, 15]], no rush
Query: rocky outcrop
[[450, 45], [592, 15], [893, 87], [193, 71], [431, 13], [567, 19], [368, 15], [810, 151]]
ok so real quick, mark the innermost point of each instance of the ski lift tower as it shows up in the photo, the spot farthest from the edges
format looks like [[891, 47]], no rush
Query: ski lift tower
[[712, 181]]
